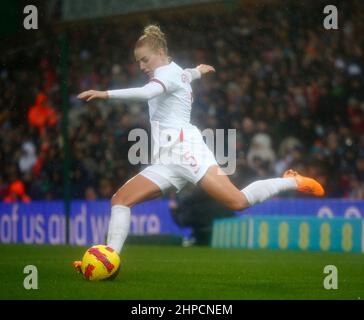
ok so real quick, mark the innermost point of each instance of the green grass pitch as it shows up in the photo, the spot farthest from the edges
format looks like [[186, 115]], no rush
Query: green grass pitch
[[170, 272]]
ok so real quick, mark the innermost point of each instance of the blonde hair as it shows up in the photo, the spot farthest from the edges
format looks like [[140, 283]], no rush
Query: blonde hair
[[154, 37]]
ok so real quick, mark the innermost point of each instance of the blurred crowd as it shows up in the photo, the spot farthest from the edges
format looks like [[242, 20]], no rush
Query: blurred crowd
[[293, 91]]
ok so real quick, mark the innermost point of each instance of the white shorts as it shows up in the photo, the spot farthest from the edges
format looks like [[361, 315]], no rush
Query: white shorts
[[185, 161]]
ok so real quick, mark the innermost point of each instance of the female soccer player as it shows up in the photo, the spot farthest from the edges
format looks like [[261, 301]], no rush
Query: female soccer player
[[169, 93]]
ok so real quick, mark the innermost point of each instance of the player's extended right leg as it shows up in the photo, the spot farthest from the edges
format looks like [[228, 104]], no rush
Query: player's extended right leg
[[219, 186], [305, 184]]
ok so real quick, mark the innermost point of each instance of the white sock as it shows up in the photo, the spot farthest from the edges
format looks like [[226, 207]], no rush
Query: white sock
[[118, 227], [262, 190]]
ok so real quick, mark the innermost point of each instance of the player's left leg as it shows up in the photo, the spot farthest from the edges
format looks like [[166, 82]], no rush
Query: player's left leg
[[219, 186], [134, 191]]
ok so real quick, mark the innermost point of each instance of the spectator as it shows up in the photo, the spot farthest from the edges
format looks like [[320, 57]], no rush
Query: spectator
[[41, 115], [16, 192], [261, 152], [106, 189], [28, 157], [90, 194]]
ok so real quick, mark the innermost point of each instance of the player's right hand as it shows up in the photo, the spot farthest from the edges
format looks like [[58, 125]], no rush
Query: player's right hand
[[92, 94]]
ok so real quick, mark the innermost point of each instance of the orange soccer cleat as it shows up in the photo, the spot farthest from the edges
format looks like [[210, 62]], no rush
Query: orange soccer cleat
[[77, 266], [305, 184]]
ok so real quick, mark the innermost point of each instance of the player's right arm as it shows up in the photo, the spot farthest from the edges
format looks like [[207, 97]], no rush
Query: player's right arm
[[149, 91]]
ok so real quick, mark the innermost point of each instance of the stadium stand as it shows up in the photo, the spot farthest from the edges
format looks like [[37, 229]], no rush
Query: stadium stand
[[292, 90]]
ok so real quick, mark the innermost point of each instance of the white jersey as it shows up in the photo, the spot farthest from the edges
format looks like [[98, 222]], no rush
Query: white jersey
[[179, 152], [172, 109]]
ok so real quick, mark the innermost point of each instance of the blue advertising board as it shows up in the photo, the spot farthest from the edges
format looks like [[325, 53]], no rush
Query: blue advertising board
[[43, 222]]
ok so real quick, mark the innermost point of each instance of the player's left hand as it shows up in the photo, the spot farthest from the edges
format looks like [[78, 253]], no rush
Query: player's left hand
[[205, 68]]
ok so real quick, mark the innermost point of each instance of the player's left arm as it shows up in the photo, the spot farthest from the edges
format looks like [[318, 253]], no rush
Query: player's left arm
[[199, 71]]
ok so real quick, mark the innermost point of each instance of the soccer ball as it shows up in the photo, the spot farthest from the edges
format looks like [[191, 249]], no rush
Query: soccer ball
[[99, 263]]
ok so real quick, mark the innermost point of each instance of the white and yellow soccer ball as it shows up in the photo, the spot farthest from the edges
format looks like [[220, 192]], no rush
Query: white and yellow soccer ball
[[100, 263]]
